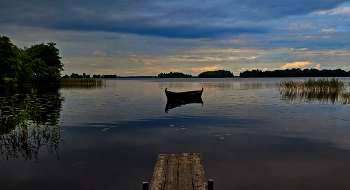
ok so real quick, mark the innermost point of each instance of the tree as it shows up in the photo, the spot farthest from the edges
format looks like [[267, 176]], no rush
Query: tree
[[40, 62], [10, 65], [45, 61]]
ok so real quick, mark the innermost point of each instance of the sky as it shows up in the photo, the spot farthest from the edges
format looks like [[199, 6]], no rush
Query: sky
[[148, 37]]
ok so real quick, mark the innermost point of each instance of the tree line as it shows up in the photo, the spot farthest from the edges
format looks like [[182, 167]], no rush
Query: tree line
[[75, 75], [206, 74], [174, 75], [296, 72], [38, 63], [215, 74]]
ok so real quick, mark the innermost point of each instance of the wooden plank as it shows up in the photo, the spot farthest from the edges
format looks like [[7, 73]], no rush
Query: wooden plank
[[172, 172], [158, 178], [199, 181], [185, 172]]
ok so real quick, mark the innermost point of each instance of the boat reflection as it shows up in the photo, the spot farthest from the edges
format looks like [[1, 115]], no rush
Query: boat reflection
[[171, 104]]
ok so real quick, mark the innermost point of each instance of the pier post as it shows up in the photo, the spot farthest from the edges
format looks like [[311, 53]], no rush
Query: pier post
[[210, 184], [145, 186]]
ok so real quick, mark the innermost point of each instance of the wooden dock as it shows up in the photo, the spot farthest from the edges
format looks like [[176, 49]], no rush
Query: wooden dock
[[179, 171]]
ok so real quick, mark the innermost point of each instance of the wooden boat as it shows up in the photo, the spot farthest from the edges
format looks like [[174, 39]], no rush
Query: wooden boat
[[183, 95]]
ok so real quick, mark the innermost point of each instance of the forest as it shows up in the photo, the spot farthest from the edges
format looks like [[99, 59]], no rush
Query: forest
[[296, 72]]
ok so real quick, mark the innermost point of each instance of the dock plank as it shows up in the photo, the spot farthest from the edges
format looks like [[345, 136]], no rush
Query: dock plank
[[199, 180], [171, 181], [182, 171], [158, 178], [185, 172]]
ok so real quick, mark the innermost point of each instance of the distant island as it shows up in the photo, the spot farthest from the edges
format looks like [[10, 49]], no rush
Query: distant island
[[75, 75], [296, 72], [174, 75], [216, 74]]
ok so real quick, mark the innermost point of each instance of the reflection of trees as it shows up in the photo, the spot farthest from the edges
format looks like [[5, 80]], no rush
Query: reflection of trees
[[23, 113], [37, 106]]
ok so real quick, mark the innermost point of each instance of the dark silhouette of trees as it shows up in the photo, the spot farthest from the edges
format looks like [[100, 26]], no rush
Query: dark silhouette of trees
[[296, 72], [75, 75], [174, 75], [215, 74], [10, 64], [109, 76], [40, 63]]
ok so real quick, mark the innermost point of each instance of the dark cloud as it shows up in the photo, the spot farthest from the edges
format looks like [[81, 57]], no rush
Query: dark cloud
[[173, 19], [137, 27]]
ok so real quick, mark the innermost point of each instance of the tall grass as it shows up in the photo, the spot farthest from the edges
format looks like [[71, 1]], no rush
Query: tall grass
[[323, 90], [312, 85], [67, 82], [346, 97]]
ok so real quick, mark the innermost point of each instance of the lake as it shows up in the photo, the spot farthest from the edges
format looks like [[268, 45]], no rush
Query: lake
[[251, 135]]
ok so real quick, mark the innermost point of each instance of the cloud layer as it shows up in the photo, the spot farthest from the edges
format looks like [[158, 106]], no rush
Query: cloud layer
[[173, 19], [148, 37]]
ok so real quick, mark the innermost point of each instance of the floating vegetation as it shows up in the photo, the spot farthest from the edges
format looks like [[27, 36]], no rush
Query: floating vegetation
[[81, 83], [323, 90]]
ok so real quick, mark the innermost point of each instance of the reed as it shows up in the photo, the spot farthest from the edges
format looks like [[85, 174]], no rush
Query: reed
[[346, 97], [81, 82], [312, 85], [322, 90]]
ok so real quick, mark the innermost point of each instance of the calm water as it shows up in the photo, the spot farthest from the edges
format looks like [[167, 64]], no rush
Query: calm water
[[251, 136]]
